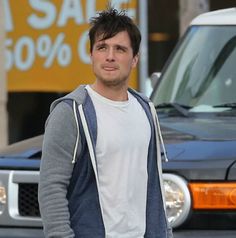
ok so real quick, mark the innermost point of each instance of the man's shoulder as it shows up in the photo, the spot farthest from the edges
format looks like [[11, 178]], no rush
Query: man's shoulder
[[78, 95], [139, 95]]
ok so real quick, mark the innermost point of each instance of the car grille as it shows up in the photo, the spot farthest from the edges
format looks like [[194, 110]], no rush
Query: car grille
[[28, 200], [22, 208]]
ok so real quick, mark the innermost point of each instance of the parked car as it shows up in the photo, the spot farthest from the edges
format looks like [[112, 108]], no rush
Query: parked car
[[196, 103], [19, 176]]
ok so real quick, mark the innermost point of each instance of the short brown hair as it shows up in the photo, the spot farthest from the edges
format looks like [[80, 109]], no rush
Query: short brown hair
[[110, 22]]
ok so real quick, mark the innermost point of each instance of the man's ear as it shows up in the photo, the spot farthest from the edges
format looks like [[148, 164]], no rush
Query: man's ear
[[91, 56], [135, 60]]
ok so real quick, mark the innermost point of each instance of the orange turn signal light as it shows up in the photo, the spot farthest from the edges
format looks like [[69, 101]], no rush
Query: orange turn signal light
[[213, 195]]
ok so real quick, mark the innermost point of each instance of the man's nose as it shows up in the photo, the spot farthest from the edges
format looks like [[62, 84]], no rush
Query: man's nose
[[110, 55]]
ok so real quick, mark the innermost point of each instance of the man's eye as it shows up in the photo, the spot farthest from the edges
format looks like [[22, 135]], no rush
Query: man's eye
[[120, 49], [100, 48]]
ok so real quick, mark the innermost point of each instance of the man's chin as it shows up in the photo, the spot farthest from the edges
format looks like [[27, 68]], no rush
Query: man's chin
[[113, 82]]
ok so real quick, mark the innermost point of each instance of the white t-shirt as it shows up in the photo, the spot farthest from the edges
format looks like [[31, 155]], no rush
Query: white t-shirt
[[123, 137]]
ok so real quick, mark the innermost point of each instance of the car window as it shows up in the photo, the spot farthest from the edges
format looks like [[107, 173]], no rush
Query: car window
[[202, 71]]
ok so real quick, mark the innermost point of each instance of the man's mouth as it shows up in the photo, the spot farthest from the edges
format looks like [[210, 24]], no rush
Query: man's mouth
[[109, 68]]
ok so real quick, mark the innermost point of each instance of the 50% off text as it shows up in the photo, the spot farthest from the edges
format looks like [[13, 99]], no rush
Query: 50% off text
[[25, 50]]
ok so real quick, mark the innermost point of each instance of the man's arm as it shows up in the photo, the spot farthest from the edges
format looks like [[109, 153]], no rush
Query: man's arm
[[55, 172]]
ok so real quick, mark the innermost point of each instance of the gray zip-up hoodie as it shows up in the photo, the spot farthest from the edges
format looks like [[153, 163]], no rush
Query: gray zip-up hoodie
[[68, 188]]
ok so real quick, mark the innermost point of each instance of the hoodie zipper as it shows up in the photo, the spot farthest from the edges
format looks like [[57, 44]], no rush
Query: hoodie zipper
[[157, 125], [159, 164], [91, 153]]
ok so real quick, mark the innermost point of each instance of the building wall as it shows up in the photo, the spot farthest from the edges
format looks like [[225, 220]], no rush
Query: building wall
[[163, 30], [3, 93], [190, 9]]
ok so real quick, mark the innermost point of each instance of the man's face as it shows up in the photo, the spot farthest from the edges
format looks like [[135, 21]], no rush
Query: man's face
[[112, 59]]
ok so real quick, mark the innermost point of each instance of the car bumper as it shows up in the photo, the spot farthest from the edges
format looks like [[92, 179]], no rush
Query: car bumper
[[21, 233], [205, 233]]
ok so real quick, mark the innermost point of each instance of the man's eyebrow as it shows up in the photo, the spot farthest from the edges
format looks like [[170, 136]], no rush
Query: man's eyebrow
[[102, 43], [121, 46]]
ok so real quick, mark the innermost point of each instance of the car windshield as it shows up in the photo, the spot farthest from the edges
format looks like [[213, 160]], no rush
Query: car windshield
[[202, 73]]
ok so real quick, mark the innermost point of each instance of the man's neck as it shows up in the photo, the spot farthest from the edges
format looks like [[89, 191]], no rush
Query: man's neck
[[111, 92]]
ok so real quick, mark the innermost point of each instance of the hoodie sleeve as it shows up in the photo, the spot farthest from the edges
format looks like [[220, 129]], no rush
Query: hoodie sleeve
[[55, 172]]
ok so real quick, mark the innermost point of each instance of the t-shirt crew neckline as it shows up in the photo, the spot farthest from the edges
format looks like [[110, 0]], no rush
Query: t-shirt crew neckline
[[106, 100]]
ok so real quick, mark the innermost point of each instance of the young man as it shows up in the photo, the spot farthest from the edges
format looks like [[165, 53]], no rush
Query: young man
[[100, 173]]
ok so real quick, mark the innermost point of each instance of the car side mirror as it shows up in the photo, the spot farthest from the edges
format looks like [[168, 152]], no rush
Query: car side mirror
[[155, 77]]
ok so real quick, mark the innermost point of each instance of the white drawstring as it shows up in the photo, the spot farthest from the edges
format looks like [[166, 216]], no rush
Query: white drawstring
[[155, 117], [77, 138]]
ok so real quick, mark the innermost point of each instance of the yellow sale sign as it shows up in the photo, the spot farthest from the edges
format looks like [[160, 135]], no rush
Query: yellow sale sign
[[47, 45]]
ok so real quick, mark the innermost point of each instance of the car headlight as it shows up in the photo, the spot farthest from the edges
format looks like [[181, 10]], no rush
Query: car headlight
[[178, 199], [3, 198]]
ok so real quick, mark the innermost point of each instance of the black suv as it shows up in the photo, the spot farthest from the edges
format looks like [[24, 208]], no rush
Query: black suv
[[195, 98]]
